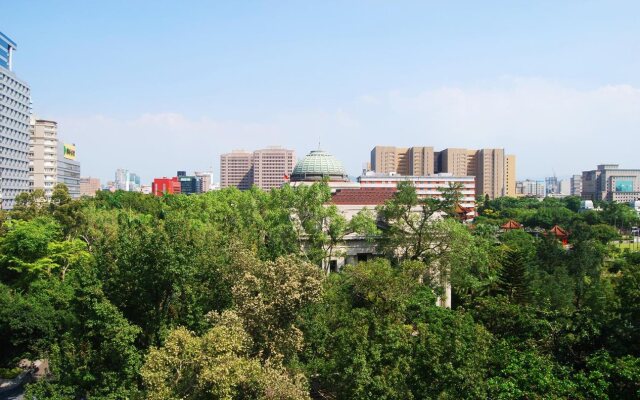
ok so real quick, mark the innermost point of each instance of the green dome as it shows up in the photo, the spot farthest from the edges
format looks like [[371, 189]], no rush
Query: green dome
[[318, 165]]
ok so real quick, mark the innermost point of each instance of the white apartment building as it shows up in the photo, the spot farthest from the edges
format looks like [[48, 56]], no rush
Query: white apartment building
[[51, 161]]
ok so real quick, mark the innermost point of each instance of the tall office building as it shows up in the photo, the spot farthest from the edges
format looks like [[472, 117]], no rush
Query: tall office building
[[236, 170], [272, 166], [458, 162], [490, 172], [206, 180], [611, 183], [15, 110], [510, 175], [412, 161], [530, 188], [89, 186], [51, 161], [576, 185], [266, 168], [127, 180], [69, 169], [552, 185]]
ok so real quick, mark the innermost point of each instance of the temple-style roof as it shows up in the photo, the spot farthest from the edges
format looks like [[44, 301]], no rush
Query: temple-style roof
[[559, 232], [511, 224], [363, 196], [319, 165]]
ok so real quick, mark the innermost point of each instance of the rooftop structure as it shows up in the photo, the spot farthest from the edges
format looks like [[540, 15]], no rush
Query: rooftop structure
[[319, 165], [7, 46]]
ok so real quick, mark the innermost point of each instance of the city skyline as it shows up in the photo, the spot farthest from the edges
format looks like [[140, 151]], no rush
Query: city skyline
[[178, 88]]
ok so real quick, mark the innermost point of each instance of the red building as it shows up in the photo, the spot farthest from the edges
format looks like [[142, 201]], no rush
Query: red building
[[161, 186]]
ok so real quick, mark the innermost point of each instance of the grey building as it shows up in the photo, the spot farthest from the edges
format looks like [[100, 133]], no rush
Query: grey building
[[15, 110], [611, 183], [576, 185], [69, 169]]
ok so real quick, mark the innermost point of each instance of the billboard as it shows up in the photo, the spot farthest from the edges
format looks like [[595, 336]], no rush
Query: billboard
[[69, 151], [624, 185]]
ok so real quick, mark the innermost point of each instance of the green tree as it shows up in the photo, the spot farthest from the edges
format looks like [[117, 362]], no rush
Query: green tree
[[216, 365], [514, 280]]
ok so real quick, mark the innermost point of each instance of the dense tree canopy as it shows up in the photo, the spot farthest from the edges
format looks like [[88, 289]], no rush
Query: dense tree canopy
[[227, 295]]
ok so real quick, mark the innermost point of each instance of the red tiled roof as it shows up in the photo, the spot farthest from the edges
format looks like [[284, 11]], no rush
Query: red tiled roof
[[511, 224], [559, 232], [362, 196]]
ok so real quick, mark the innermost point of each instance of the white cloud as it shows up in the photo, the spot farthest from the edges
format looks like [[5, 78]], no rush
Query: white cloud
[[549, 126]]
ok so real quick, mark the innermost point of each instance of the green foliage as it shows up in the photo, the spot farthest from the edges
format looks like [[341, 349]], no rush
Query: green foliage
[[216, 365], [226, 295]]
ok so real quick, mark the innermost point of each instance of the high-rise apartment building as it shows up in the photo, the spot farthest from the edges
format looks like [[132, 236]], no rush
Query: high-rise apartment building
[[266, 168], [236, 170], [272, 166], [89, 186], [611, 183], [43, 155], [51, 161], [15, 110]]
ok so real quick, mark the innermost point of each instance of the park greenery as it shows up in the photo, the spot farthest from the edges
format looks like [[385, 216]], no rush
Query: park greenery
[[225, 295]]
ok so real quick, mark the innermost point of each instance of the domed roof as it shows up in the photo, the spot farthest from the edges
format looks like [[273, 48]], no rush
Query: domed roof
[[318, 165]]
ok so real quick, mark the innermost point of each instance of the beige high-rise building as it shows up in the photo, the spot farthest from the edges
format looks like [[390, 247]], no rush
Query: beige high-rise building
[[89, 186], [43, 155], [490, 172], [414, 161], [236, 170], [510, 176], [272, 166], [495, 172], [458, 162], [266, 168], [50, 160]]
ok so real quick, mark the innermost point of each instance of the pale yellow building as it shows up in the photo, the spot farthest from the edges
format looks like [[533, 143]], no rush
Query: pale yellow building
[[414, 161], [494, 172], [510, 176]]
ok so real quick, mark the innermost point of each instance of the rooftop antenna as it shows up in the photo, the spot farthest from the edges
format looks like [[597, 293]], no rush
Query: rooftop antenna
[[319, 143]]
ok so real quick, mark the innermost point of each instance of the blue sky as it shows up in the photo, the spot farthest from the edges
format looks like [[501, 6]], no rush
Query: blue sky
[[156, 86]]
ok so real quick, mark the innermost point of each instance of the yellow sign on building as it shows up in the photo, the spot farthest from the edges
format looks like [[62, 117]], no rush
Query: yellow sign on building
[[69, 151]]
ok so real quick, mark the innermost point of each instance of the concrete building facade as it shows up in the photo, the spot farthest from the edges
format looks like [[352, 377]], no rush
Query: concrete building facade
[[413, 161], [43, 155], [89, 186], [426, 186], [494, 171], [272, 166], [236, 170], [576, 185], [15, 111], [68, 169], [50, 160], [530, 188], [265, 168], [610, 183]]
